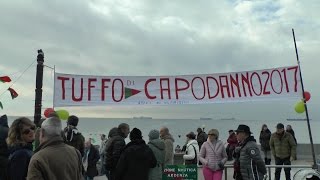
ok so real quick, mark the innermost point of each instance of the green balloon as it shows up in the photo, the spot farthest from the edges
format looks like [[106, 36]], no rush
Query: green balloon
[[299, 107], [63, 114]]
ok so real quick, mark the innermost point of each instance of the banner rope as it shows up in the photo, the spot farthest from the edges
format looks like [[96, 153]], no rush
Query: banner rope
[[23, 72]]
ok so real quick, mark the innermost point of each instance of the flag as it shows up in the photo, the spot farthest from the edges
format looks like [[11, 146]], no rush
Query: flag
[[13, 93], [130, 92], [1, 105], [5, 79]]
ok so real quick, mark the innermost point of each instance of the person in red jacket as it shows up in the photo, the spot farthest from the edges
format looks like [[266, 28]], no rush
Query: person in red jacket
[[232, 143]]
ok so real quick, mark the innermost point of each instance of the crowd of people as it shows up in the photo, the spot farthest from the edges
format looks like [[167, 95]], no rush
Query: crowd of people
[[243, 149], [28, 152]]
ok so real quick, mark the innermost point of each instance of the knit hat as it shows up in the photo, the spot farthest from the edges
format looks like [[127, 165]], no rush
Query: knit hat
[[154, 134], [135, 134], [73, 120]]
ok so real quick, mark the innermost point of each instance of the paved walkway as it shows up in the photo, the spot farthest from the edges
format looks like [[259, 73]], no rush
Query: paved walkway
[[230, 171]]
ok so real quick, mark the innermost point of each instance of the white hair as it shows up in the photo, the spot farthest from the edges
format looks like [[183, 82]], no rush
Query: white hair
[[51, 127]]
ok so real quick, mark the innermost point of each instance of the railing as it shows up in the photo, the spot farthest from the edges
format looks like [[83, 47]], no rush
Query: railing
[[268, 167]]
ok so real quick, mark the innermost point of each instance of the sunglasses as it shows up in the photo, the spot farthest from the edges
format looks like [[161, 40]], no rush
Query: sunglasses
[[212, 134], [27, 131]]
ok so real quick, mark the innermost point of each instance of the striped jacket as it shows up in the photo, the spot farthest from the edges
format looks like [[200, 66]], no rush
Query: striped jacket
[[213, 153]]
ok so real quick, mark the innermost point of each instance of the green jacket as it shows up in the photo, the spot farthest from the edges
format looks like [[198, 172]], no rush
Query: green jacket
[[158, 148], [283, 146]]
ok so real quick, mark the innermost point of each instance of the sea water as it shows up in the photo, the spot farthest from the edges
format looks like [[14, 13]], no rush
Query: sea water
[[93, 127]]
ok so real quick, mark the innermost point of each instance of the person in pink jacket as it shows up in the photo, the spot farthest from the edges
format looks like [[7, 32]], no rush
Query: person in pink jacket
[[213, 156]]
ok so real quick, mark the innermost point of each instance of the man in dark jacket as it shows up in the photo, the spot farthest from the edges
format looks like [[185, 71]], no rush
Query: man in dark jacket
[[90, 159], [115, 147], [282, 147], [201, 137], [136, 159], [248, 164], [4, 153], [72, 136]]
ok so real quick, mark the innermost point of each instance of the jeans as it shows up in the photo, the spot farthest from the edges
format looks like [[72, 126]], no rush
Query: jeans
[[284, 161]]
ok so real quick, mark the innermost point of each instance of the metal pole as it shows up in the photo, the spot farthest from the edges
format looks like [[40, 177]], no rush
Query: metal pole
[[305, 104], [38, 90], [269, 172], [225, 173], [54, 85]]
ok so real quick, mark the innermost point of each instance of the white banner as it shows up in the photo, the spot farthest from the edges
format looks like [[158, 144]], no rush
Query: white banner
[[86, 90]]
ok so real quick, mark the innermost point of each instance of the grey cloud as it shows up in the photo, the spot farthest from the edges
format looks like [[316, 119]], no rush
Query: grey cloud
[[160, 38]]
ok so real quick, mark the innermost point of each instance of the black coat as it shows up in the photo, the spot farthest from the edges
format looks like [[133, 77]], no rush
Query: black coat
[[293, 135], [74, 138], [135, 161], [264, 140], [201, 138], [93, 158], [19, 159], [3, 136], [4, 153], [115, 145]]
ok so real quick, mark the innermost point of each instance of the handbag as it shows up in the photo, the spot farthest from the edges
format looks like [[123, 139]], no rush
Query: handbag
[[194, 160]]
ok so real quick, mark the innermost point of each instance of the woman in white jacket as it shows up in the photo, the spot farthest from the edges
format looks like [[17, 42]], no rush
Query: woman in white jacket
[[192, 150]]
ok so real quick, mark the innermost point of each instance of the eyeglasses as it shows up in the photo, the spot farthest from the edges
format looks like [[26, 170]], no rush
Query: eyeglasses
[[27, 131]]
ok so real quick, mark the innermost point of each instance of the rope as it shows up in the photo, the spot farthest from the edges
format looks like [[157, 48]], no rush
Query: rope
[[28, 67]]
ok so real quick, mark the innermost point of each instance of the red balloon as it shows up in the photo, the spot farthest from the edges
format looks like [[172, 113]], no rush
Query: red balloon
[[48, 111], [307, 95]]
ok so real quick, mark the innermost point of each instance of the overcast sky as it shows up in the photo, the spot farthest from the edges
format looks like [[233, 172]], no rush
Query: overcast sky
[[152, 37]]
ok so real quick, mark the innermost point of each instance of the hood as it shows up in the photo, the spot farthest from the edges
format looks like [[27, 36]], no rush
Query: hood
[[192, 142], [70, 132], [137, 143], [113, 132], [19, 146], [250, 138], [158, 143], [267, 131], [4, 121], [168, 136]]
